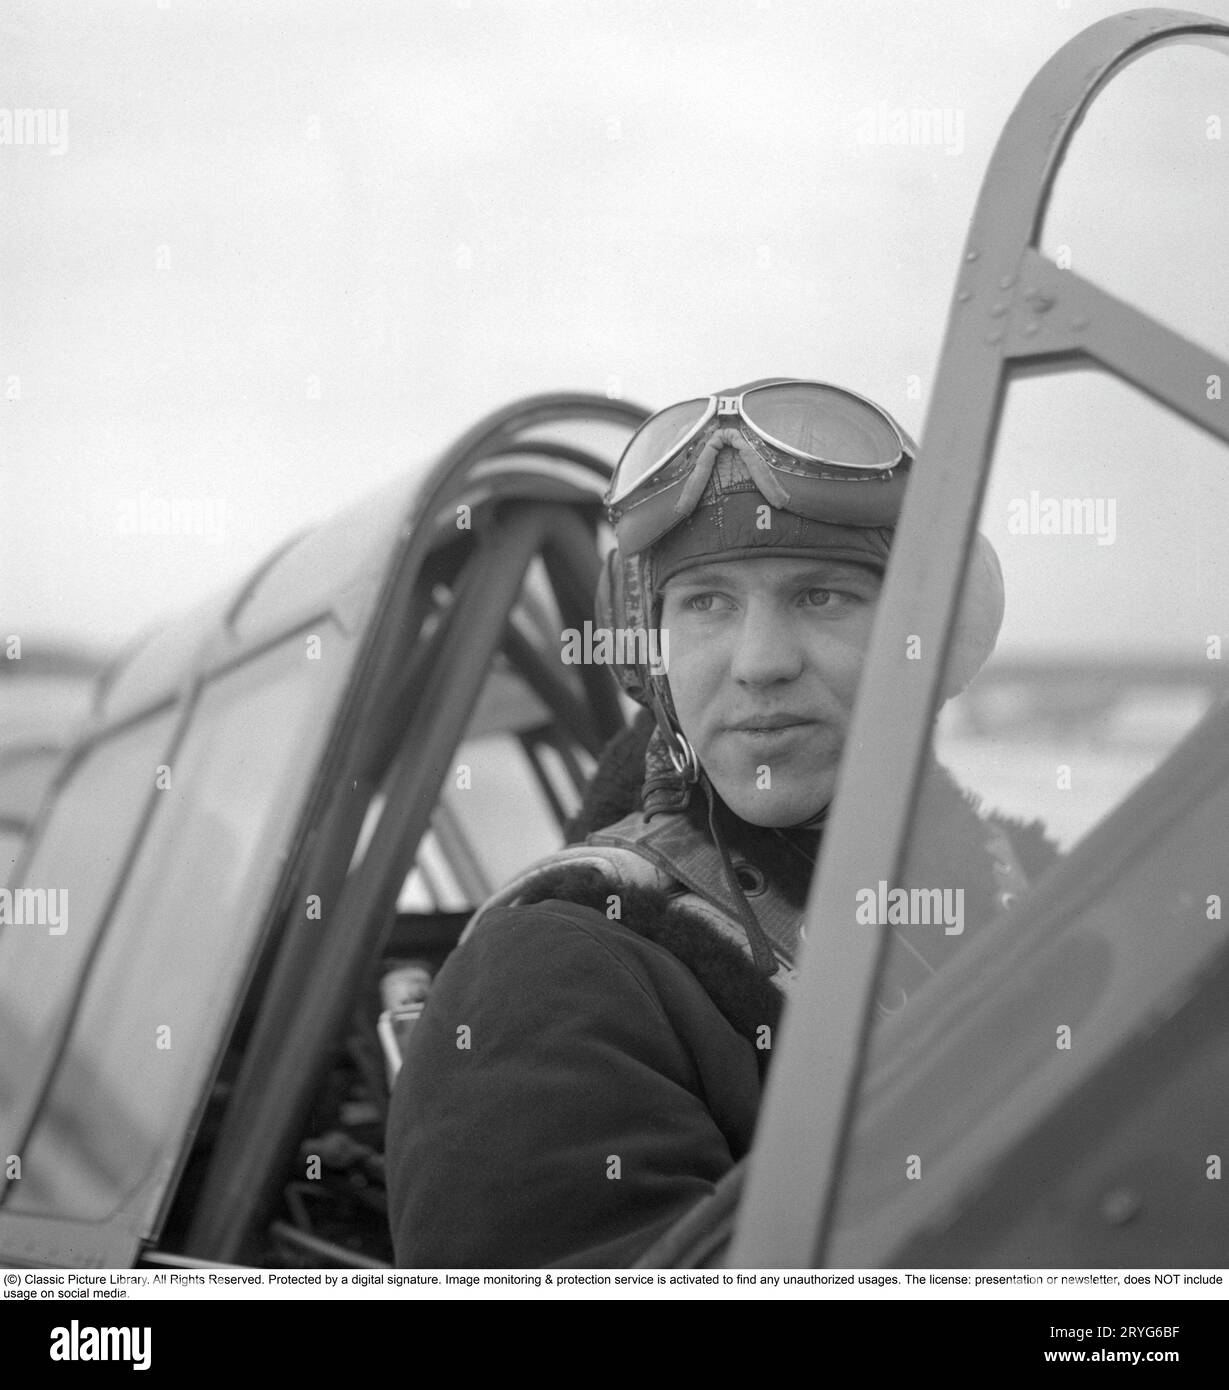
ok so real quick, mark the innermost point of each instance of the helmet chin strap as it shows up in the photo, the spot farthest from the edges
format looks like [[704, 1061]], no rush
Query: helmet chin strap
[[678, 746], [761, 948], [686, 764], [683, 757]]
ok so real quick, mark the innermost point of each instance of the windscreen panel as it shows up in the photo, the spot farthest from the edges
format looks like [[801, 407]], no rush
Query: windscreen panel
[[167, 978], [75, 866], [1106, 514]]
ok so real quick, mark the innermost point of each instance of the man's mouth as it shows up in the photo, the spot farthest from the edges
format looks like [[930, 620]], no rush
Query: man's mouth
[[770, 723]]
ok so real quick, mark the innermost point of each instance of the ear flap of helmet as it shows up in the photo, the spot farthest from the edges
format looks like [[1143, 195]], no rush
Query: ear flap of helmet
[[619, 607], [978, 620], [616, 584]]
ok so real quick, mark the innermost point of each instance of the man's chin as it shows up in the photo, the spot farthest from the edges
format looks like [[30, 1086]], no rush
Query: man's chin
[[782, 820], [774, 810]]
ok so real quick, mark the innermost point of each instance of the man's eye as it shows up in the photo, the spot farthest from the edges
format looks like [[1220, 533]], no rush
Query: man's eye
[[823, 598], [701, 603]]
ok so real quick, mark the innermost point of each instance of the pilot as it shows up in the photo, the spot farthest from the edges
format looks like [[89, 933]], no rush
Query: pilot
[[591, 1059]]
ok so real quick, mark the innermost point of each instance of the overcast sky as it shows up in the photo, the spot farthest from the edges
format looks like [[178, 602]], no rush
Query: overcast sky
[[275, 254]]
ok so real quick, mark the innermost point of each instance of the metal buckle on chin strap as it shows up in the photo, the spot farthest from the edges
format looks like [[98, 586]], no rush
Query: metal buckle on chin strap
[[678, 747], [683, 757]]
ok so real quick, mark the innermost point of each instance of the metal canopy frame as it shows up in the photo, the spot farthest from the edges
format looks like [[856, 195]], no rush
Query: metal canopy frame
[[1014, 313], [415, 694]]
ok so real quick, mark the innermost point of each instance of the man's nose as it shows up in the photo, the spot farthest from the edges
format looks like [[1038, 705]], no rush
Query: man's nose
[[767, 647]]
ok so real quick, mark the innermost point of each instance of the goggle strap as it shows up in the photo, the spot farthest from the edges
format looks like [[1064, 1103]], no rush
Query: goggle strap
[[764, 478], [730, 437], [697, 480]]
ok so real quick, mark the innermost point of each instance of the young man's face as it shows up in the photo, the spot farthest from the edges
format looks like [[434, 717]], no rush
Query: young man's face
[[765, 656]]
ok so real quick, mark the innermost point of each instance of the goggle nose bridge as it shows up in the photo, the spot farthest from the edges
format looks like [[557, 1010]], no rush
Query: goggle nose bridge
[[729, 405]]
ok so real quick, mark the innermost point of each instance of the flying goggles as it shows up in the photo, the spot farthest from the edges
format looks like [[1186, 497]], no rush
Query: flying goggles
[[813, 449]]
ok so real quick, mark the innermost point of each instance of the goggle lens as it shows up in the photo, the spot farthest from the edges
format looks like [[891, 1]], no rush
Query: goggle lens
[[823, 424], [658, 439]]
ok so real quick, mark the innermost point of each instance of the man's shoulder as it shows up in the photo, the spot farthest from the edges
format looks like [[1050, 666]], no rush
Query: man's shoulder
[[581, 909], [555, 968], [576, 910], [578, 903]]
